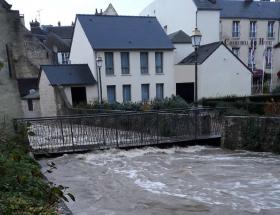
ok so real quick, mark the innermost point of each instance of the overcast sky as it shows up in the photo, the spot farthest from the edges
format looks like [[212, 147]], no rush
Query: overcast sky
[[52, 11]]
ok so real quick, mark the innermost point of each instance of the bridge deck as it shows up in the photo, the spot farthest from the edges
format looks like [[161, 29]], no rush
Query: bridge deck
[[83, 133]]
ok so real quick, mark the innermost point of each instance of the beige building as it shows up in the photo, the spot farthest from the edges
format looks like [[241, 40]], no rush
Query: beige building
[[251, 30]]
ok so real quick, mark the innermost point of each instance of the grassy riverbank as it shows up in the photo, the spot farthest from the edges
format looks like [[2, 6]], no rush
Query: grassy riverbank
[[23, 190]]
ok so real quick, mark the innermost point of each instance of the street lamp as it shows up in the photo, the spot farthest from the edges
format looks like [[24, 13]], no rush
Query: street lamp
[[196, 40], [99, 63]]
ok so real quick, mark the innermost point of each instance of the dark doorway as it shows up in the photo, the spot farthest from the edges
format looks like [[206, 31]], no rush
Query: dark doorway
[[186, 91], [79, 95]]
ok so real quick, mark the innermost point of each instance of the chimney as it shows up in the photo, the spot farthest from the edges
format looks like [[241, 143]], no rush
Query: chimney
[[22, 20], [59, 24], [34, 24]]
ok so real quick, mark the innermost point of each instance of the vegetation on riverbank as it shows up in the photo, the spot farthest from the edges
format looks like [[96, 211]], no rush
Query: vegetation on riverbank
[[262, 105], [23, 190], [175, 102]]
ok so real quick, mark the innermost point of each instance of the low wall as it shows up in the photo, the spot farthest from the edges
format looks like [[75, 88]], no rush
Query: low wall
[[252, 133]]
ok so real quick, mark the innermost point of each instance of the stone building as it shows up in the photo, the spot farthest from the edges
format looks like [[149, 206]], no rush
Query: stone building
[[21, 55]]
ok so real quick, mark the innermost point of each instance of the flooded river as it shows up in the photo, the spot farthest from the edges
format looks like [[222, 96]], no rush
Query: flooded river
[[180, 181]]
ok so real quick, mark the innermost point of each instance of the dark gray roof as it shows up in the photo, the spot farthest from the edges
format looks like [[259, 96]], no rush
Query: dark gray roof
[[64, 32], [27, 84], [180, 37], [249, 9], [54, 40], [5, 4], [124, 32], [67, 75], [206, 51], [206, 4], [203, 53]]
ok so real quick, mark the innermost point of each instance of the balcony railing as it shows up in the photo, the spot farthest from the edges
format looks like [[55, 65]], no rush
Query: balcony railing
[[253, 34], [235, 34]]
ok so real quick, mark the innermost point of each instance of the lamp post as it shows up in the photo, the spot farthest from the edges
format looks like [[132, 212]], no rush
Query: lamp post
[[196, 39], [99, 62]]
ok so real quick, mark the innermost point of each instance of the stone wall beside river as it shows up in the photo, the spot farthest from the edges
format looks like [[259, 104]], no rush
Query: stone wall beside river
[[252, 133]]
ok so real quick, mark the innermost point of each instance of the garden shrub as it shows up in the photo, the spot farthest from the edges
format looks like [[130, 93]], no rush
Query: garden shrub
[[23, 191]]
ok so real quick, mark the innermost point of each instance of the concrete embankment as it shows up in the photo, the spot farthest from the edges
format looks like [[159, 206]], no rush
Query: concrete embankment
[[252, 133]]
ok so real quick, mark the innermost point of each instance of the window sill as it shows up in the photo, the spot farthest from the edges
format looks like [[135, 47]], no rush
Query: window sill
[[160, 73], [110, 75], [126, 75], [145, 74]]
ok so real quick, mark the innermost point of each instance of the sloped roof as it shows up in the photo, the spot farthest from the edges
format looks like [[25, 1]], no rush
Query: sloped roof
[[5, 4], [206, 4], [27, 84], [54, 40], [203, 53], [67, 75], [110, 10], [249, 9], [124, 32], [64, 32], [180, 37]]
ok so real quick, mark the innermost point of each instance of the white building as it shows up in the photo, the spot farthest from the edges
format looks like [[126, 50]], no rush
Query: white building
[[138, 63], [185, 15], [220, 73], [235, 22]]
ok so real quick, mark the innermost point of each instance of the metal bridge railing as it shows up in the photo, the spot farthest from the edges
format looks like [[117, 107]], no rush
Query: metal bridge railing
[[64, 134]]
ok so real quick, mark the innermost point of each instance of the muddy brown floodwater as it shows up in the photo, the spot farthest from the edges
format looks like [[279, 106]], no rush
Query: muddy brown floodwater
[[178, 181]]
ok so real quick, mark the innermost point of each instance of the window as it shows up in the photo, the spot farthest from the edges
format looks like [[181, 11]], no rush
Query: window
[[268, 57], [30, 105], [236, 29], [63, 57], [236, 51], [125, 62], [159, 62], [251, 58], [145, 88], [144, 61], [111, 93], [126, 93], [270, 30], [253, 29], [159, 91], [109, 63]]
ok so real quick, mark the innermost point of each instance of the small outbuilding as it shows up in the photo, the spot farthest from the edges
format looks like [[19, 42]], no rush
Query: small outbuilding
[[220, 73], [59, 84]]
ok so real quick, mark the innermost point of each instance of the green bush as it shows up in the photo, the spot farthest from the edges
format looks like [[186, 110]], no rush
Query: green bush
[[175, 102], [22, 187], [276, 90]]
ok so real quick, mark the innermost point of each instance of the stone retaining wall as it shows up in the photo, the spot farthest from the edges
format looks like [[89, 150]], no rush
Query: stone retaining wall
[[252, 133]]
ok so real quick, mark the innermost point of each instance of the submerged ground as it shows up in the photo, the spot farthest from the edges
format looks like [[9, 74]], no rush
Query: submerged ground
[[195, 180]]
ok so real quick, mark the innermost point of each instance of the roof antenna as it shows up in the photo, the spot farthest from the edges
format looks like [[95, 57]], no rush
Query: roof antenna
[[39, 15]]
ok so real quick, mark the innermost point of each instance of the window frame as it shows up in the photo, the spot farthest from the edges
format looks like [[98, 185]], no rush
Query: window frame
[[125, 69], [159, 67], [148, 92], [109, 71], [124, 96], [235, 29], [144, 69], [115, 94], [161, 85]]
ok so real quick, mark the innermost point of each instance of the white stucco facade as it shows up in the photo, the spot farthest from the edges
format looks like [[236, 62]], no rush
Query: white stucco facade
[[36, 112], [83, 53], [136, 79], [48, 104], [181, 51], [178, 15], [221, 74]]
